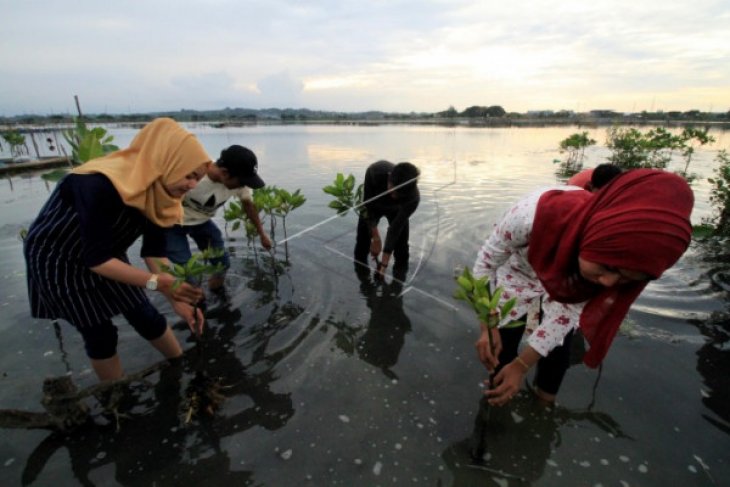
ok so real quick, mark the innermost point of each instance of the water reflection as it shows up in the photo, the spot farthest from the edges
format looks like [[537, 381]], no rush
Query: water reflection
[[219, 348], [339, 157], [285, 382], [512, 445], [380, 342], [713, 362], [150, 447], [165, 448], [713, 358]]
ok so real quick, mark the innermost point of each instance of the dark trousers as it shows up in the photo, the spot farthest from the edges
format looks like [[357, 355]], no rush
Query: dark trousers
[[362, 243], [100, 339], [206, 235], [550, 369]]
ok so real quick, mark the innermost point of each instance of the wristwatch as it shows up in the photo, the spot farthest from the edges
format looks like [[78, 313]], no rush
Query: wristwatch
[[152, 282]]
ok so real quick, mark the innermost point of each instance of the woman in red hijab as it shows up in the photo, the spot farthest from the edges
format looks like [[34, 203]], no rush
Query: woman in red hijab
[[578, 259]]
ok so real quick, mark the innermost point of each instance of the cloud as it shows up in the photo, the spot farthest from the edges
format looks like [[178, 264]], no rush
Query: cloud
[[281, 90], [352, 55], [210, 91]]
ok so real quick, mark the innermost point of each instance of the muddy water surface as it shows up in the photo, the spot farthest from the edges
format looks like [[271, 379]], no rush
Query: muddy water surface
[[333, 379]]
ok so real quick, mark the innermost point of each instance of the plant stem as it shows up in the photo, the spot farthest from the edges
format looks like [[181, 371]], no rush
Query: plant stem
[[286, 244], [492, 322]]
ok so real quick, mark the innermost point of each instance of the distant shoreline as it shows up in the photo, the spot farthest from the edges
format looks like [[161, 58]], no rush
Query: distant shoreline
[[51, 129], [495, 122]]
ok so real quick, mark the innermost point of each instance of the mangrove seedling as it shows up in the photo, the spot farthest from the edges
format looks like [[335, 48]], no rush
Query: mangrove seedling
[[88, 143], [202, 393], [484, 301], [720, 196], [237, 216], [274, 202], [575, 146], [692, 138], [267, 200], [194, 271], [347, 196], [287, 202], [16, 141]]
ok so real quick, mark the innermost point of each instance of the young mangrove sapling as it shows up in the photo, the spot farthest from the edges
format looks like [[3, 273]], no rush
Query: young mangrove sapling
[[347, 196], [193, 271], [485, 302], [287, 202], [202, 393]]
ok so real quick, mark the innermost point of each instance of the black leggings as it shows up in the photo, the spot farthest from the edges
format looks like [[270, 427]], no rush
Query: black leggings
[[550, 369], [362, 243], [100, 339]]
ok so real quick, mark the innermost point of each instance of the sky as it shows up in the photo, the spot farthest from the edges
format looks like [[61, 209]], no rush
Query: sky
[[137, 56]]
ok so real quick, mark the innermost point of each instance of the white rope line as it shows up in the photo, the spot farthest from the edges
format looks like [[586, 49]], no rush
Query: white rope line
[[407, 288], [354, 208]]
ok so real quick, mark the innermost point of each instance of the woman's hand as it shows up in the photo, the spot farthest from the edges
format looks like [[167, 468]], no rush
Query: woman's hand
[[185, 292], [185, 311], [376, 246], [380, 272], [506, 384], [489, 356]]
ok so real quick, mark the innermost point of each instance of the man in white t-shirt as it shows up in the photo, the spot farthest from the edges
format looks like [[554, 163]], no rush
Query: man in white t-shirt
[[234, 174]]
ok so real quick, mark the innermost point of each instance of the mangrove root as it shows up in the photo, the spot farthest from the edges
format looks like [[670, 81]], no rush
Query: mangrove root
[[64, 404]]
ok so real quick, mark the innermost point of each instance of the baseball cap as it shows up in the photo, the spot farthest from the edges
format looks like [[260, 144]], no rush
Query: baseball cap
[[242, 164]]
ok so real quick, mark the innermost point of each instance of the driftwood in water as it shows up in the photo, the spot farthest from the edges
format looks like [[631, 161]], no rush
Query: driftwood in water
[[64, 403]]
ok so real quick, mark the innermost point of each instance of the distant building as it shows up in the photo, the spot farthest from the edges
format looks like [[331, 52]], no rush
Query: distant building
[[604, 114], [540, 113]]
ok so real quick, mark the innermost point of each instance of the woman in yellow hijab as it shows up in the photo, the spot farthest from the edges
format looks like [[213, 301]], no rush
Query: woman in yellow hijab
[[76, 249]]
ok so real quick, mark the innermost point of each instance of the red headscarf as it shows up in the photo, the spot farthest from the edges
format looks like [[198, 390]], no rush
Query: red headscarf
[[640, 221]]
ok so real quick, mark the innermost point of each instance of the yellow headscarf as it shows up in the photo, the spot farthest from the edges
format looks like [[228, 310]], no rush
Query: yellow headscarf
[[162, 153]]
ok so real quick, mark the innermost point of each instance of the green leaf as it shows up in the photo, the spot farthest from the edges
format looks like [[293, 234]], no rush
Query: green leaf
[[514, 324], [55, 175], [465, 283], [349, 183], [461, 295], [494, 302], [483, 310], [481, 288], [507, 306]]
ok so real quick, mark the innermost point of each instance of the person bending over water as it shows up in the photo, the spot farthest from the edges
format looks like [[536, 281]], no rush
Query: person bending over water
[[595, 178], [76, 249], [390, 191], [575, 259]]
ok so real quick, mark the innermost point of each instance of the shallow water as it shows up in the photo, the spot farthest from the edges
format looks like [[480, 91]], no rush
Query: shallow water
[[332, 379]]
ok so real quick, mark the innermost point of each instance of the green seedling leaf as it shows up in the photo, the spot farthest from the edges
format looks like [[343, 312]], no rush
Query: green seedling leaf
[[494, 302], [346, 197], [475, 291], [465, 283], [55, 175], [514, 324], [507, 306], [461, 295]]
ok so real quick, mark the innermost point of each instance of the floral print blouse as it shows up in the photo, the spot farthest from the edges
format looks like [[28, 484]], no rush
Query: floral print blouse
[[503, 258]]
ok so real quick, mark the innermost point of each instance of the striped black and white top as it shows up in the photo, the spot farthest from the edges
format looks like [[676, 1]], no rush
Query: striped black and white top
[[84, 223]]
